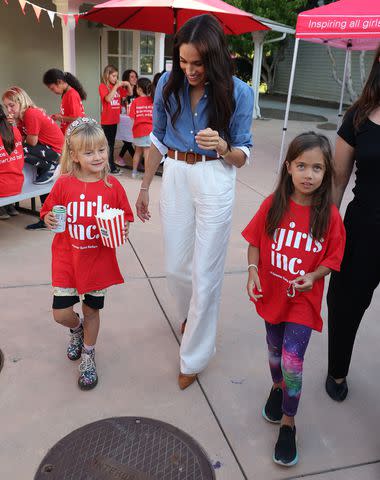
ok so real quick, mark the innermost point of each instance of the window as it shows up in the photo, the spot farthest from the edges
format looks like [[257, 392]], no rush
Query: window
[[120, 49], [147, 47]]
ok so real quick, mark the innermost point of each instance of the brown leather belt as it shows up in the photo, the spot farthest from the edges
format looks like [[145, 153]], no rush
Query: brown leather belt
[[189, 157]]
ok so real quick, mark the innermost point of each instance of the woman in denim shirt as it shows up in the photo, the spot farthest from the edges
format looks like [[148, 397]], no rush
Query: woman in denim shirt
[[202, 121]]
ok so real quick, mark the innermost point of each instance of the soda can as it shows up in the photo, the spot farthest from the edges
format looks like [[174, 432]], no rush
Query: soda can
[[59, 212]]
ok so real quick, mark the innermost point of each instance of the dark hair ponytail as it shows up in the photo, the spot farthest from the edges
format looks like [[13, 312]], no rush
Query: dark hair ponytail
[[146, 86], [6, 132], [54, 74]]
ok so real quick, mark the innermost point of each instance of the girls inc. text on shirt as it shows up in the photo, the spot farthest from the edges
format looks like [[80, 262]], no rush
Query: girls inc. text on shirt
[[83, 209], [292, 239]]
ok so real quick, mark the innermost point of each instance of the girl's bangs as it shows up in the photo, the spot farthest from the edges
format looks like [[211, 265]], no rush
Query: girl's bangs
[[89, 140]]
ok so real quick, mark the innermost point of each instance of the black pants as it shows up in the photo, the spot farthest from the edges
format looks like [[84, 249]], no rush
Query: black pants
[[40, 156], [350, 290], [127, 146], [110, 133]]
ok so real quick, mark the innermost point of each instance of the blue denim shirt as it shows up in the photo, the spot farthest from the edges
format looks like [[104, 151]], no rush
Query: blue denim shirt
[[182, 136]]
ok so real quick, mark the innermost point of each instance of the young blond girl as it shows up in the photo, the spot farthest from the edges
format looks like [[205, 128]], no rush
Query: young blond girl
[[141, 112], [82, 267], [296, 238], [109, 91]]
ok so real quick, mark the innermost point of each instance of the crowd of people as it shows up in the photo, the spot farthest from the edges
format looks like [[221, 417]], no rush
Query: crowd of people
[[43, 134], [199, 117]]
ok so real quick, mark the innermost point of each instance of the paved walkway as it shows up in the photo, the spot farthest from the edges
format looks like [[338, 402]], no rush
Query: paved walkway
[[137, 356]]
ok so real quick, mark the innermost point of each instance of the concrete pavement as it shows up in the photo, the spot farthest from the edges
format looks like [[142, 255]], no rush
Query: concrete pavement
[[137, 355]]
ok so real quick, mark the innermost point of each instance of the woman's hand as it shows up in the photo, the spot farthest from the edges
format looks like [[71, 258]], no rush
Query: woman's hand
[[50, 220], [142, 204], [125, 230], [304, 283], [253, 285], [209, 139]]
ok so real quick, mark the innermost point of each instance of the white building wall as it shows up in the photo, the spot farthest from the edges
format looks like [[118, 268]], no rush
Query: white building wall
[[313, 78]]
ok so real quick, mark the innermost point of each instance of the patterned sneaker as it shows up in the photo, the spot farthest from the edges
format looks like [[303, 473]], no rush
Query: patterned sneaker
[[88, 377], [74, 348], [285, 451], [272, 411]]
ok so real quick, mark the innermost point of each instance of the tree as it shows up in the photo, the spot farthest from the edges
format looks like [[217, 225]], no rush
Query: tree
[[282, 11]]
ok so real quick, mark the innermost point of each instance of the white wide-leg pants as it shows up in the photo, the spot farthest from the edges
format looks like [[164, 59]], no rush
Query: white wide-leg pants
[[196, 211]]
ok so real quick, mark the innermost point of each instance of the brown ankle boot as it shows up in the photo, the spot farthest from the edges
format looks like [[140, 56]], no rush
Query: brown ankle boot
[[183, 326], [185, 380]]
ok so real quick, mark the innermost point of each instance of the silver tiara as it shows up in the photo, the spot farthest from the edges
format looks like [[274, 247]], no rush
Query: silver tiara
[[77, 123]]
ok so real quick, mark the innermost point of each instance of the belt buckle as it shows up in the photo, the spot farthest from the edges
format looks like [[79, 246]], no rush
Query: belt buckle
[[188, 161]]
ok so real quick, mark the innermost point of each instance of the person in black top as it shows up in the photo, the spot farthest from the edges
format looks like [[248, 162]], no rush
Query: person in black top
[[350, 291]]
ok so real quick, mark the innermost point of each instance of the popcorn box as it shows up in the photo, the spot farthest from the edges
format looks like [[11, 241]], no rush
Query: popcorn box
[[110, 224]]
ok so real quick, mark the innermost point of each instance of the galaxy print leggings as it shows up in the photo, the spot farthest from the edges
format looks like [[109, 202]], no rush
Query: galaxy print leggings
[[287, 343]]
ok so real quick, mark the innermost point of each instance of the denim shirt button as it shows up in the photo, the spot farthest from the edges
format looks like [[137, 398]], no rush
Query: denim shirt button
[[195, 114]]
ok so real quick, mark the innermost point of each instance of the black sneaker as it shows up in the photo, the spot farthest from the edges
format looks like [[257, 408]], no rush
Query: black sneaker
[[285, 451], [46, 176], [272, 410], [40, 225], [115, 171], [336, 391]]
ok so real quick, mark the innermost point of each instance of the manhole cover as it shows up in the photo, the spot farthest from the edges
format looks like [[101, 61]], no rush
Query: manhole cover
[[126, 448]]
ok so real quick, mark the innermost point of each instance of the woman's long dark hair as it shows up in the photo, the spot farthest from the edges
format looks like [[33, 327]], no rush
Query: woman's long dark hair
[[322, 197], [54, 74], [205, 33], [125, 77], [6, 132], [370, 97]]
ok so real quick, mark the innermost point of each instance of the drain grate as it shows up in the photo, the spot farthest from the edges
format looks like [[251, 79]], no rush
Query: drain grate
[[126, 448], [1, 360]]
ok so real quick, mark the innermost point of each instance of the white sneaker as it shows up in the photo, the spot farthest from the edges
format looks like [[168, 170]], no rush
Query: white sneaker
[[136, 175]]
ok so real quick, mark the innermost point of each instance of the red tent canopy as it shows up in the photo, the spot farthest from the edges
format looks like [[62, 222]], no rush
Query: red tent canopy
[[168, 15], [355, 21]]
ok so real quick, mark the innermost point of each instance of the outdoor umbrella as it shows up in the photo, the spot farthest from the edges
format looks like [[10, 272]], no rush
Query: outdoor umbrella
[[166, 16]]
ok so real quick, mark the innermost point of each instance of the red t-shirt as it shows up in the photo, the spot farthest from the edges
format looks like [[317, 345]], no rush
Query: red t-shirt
[[142, 113], [36, 122], [292, 252], [110, 110], [79, 259], [11, 165], [71, 106]]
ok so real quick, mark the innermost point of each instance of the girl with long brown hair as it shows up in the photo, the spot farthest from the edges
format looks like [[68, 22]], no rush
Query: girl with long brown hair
[[296, 238]]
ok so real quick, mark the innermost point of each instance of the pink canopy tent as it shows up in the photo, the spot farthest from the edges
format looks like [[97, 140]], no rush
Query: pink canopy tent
[[346, 24]]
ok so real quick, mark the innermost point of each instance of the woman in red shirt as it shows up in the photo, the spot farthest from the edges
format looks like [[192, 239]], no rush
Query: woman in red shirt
[[11, 164], [72, 93], [109, 91], [296, 238], [142, 113], [42, 138]]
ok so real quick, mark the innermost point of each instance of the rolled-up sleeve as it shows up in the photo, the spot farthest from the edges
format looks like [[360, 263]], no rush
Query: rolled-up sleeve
[[241, 122], [159, 112]]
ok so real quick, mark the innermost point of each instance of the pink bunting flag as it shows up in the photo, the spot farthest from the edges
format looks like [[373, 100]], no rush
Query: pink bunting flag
[[76, 19], [65, 18], [22, 4], [51, 16], [37, 11]]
